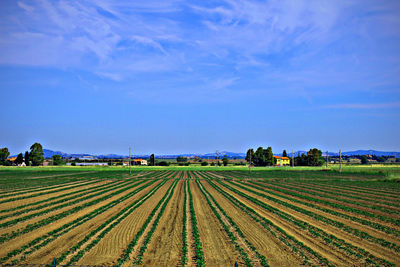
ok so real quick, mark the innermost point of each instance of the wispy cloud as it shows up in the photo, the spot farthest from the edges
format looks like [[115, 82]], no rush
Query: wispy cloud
[[25, 7], [302, 46], [364, 105]]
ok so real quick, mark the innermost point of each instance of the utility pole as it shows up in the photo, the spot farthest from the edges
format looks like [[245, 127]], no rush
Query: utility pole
[[292, 159], [217, 158], [340, 160], [327, 159], [129, 162]]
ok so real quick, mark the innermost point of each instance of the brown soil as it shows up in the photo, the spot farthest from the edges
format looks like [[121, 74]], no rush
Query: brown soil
[[368, 198], [48, 194], [165, 248], [377, 220], [28, 201], [374, 249], [24, 239], [360, 191], [276, 253], [22, 191], [322, 249], [23, 224], [337, 193], [111, 247], [218, 250], [190, 239], [353, 224], [63, 243]]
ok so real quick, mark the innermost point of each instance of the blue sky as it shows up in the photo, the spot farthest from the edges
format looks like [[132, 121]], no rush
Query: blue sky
[[195, 76]]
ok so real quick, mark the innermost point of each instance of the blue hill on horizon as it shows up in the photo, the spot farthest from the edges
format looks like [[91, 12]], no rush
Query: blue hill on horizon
[[49, 153]]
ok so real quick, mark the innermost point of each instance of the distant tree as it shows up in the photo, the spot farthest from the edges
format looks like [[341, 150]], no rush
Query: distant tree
[[181, 159], [204, 163], [284, 154], [259, 157], [4, 154], [269, 157], [36, 154], [163, 163], [380, 159], [73, 164], [57, 160], [364, 160], [315, 157], [250, 155], [152, 160], [225, 160], [26, 157], [212, 164], [19, 159], [301, 160]]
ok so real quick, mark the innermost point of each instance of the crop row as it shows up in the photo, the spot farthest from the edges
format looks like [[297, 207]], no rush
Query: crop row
[[45, 193], [51, 199], [345, 194], [95, 193], [107, 226], [48, 220], [296, 246], [75, 199], [207, 195], [129, 249], [54, 234], [374, 225], [143, 248], [362, 188], [329, 239], [331, 196], [184, 259], [43, 188], [195, 230]]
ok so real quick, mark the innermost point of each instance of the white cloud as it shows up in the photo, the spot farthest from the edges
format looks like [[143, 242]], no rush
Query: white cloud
[[25, 7], [364, 105]]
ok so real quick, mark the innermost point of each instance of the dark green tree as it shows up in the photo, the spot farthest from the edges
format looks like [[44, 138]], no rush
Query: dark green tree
[[250, 156], [380, 159], [152, 160], [4, 154], [204, 163], [315, 157], [36, 154], [269, 157], [364, 160], [19, 159], [181, 159], [259, 157], [26, 157], [225, 160], [57, 160], [284, 154], [301, 160]]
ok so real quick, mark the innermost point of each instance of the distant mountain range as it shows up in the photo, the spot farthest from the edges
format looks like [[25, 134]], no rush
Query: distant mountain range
[[49, 153]]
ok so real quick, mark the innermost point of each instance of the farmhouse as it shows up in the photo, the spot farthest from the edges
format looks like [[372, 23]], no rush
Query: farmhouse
[[282, 161], [140, 162]]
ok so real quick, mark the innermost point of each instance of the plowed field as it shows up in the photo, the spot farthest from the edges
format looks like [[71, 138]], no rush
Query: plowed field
[[197, 218]]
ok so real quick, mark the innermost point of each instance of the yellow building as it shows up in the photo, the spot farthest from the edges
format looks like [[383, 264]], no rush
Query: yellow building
[[282, 161]]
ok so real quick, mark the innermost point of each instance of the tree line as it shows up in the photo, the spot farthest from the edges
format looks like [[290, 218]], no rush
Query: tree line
[[34, 157], [265, 157]]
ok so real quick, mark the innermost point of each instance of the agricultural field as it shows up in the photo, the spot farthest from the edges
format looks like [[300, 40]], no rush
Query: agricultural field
[[199, 217]]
